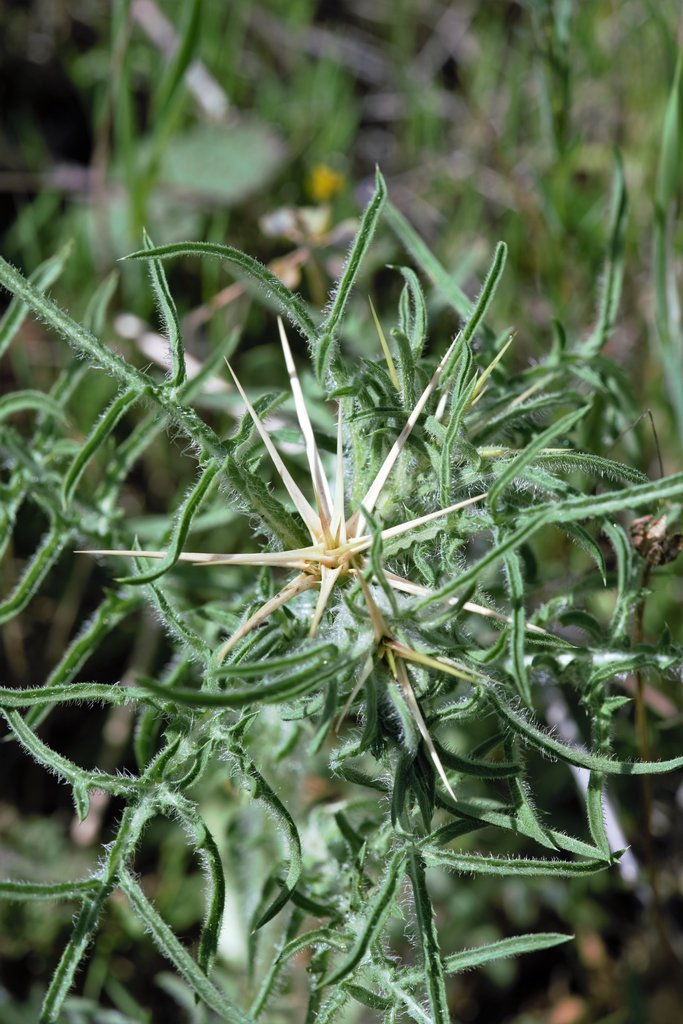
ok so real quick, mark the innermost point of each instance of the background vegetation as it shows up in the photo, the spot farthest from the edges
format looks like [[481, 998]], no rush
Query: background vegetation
[[489, 121]]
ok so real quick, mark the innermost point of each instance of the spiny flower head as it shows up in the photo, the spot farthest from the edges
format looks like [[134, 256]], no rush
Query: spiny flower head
[[339, 541]]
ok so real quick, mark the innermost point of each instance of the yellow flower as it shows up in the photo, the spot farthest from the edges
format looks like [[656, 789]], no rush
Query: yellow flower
[[324, 183]]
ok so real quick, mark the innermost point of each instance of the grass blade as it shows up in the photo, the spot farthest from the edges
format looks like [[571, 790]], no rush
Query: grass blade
[[613, 274]]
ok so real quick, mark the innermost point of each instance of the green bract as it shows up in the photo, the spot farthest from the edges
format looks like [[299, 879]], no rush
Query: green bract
[[388, 631]]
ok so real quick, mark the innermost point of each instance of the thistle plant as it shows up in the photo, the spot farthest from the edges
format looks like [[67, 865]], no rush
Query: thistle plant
[[392, 641]]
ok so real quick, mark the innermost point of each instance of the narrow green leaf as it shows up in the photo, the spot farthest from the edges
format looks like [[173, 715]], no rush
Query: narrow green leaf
[[591, 547], [281, 689], [396, 706], [327, 717], [426, 929], [247, 669], [19, 890], [401, 789], [627, 583], [379, 910], [83, 929], [517, 628], [77, 335], [81, 800], [561, 511], [367, 997], [427, 262], [194, 500], [262, 791], [19, 401], [287, 302], [503, 948], [527, 820], [10, 503], [608, 664], [372, 724], [60, 765], [488, 290], [96, 438], [169, 945], [169, 317], [375, 554], [361, 244], [356, 842], [41, 279], [359, 778], [547, 744], [112, 610], [406, 367], [610, 290], [318, 937], [479, 864], [596, 813], [147, 727], [492, 951], [258, 501], [413, 312], [474, 766], [331, 1008], [594, 464], [504, 817], [96, 310], [464, 383], [515, 467], [213, 873], [175, 70], [51, 547]]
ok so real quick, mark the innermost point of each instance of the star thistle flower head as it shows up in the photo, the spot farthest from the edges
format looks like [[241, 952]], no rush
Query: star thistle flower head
[[340, 541], [346, 543]]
